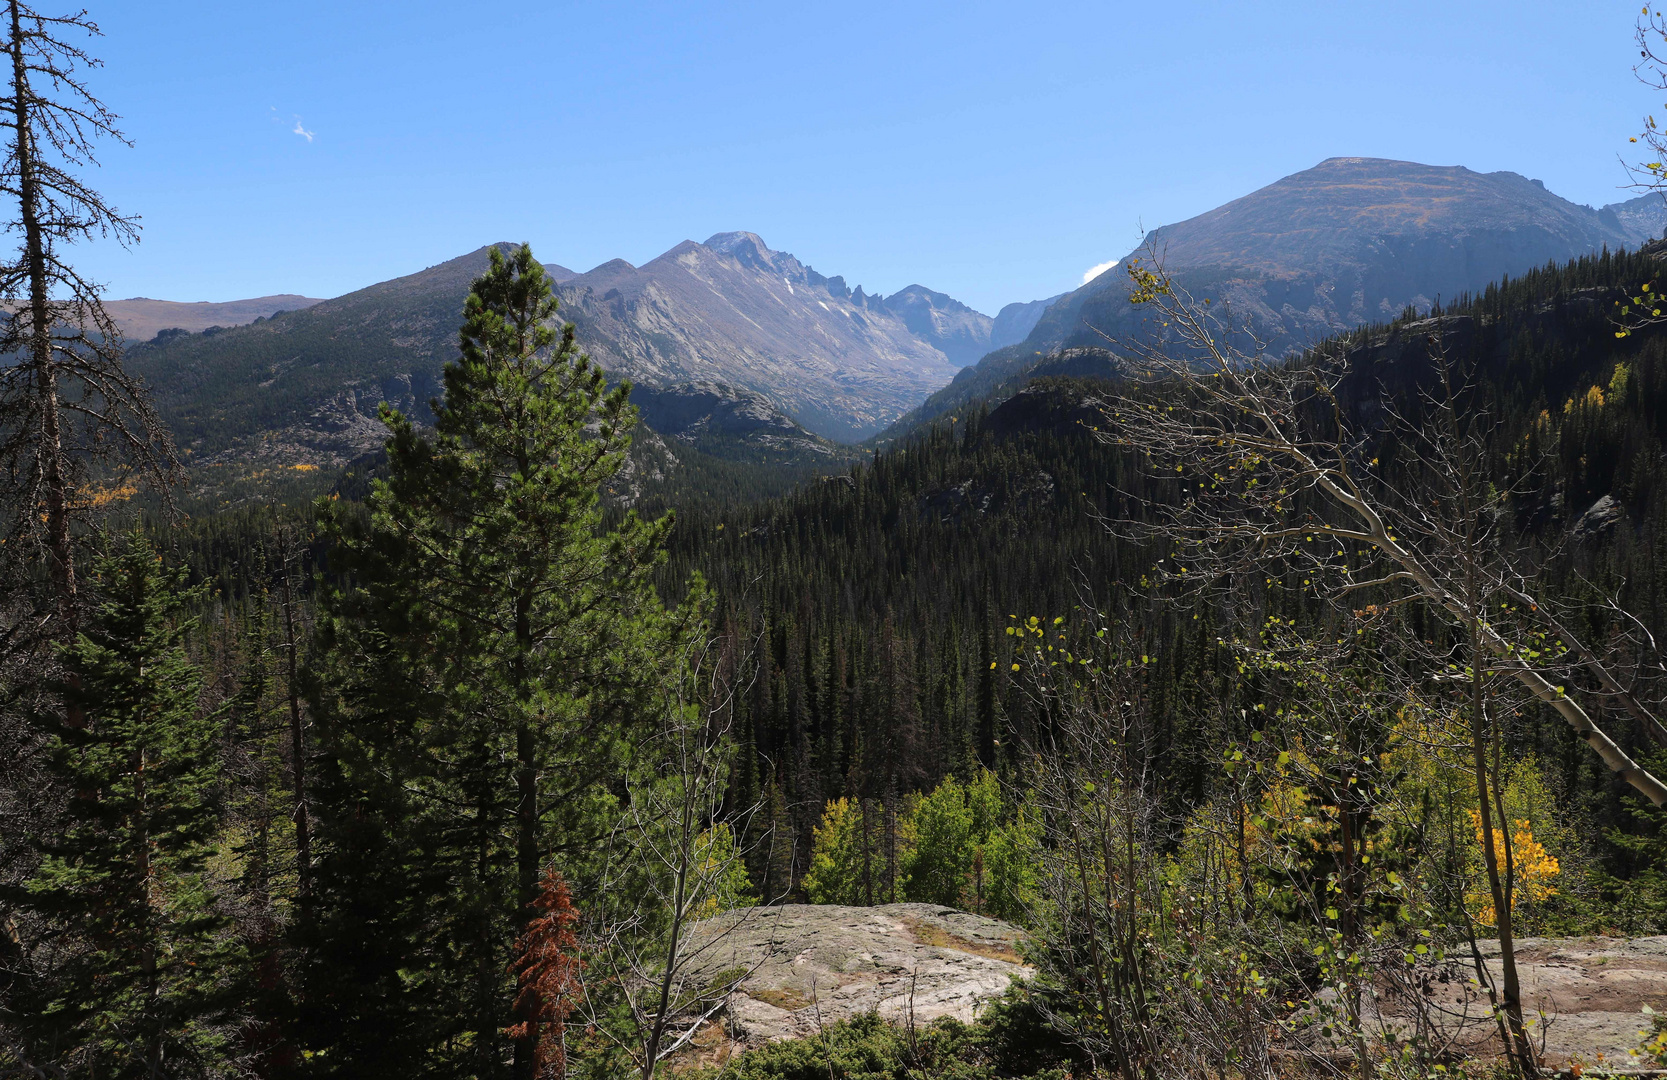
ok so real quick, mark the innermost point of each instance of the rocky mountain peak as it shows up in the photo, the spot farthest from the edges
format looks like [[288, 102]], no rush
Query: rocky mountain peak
[[736, 243]]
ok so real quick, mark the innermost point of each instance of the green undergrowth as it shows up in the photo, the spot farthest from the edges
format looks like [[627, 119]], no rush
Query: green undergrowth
[[1009, 1040]]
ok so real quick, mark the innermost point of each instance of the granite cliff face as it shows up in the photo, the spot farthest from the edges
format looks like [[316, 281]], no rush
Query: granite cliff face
[[1644, 218], [1015, 321], [840, 362]]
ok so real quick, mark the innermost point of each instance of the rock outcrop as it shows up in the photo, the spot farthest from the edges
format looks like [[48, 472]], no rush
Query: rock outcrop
[[1582, 1000], [811, 965], [1599, 518]]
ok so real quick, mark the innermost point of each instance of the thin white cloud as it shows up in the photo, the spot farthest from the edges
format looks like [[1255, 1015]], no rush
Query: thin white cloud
[[301, 131], [1095, 271]]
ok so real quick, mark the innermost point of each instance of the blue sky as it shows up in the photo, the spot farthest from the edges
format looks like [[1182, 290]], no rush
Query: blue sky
[[992, 151]]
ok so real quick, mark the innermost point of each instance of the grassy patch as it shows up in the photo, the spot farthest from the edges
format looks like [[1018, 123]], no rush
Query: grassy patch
[[781, 997], [937, 937]]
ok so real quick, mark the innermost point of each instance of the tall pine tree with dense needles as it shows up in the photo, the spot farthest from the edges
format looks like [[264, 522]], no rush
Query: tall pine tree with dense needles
[[132, 971], [475, 690]]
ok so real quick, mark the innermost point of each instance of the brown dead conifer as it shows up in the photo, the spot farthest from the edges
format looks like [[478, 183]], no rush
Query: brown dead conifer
[[547, 967]]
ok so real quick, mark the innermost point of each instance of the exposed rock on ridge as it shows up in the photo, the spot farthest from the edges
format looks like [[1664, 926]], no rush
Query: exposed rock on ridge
[[727, 422], [842, 363]]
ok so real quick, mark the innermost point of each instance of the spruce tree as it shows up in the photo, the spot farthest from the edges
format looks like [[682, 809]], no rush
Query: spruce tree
[[134, 964], [476, 692]]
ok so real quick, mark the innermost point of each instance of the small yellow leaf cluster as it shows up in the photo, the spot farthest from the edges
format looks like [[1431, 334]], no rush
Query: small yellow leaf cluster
[[1535, 869]]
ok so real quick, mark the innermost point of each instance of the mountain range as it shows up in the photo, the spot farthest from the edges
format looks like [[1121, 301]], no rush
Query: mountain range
[[842, 363], [747, 352], [1349, 242], [780, 357]]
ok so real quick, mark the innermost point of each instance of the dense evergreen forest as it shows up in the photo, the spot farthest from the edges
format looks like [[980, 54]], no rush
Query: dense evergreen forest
[[429, 777], [877, 603]]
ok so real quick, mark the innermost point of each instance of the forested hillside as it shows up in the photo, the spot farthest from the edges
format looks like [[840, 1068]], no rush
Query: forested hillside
[[880, 601]]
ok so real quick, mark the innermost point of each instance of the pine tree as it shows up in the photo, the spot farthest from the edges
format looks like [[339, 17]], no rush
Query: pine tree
[[479, 680], [138, 972]]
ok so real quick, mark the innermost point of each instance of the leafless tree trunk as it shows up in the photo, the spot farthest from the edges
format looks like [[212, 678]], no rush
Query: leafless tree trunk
[[675, 857], [67, 403]]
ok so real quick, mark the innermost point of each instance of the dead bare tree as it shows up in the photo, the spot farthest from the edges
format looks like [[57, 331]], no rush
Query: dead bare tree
[[75, 427], [69, 412], [1099, 883], [653, 979]]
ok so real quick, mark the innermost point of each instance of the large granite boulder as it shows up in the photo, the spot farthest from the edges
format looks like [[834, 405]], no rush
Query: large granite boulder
[[810, 965]]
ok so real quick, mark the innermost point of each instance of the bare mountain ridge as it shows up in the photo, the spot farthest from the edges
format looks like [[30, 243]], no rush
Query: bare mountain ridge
[[1348, 242], [748, 333], [141, 318], [841, 362]]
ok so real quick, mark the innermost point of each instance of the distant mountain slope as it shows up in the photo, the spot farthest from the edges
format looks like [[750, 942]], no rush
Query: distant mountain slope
[[1644, 218], [732, 424], [959, 332], [729, 339], [311, 378], [1348, 242], [841, 363], [1015, 321], [141, 317]]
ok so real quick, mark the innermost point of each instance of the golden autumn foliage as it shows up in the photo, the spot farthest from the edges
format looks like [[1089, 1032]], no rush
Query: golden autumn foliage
[[102, 496], [1535, 869]]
